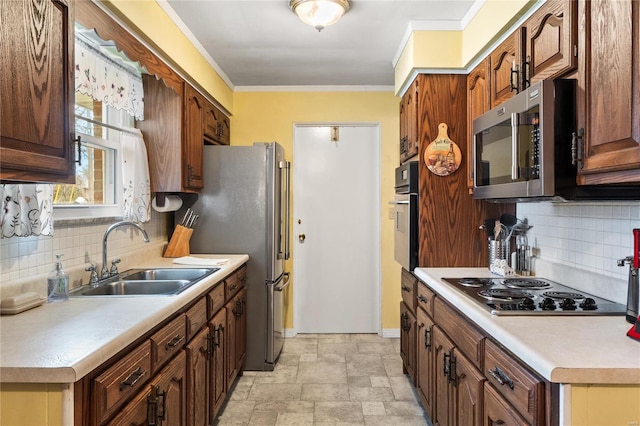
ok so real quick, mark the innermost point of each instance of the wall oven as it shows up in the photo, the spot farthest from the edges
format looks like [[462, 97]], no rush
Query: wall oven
[[406, 215]]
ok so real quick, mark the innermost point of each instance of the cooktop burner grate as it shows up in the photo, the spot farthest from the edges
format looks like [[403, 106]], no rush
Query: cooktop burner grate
[[530, 283], [563, 295], [475, 282], [505, 294]]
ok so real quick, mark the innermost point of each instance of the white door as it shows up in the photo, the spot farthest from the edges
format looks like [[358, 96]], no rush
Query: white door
[[336, 229]]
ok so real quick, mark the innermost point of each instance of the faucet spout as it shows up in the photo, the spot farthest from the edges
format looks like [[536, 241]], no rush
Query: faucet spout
[[105, 270]]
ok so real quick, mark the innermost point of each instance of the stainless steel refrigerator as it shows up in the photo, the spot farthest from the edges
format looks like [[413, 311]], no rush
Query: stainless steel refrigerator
[[244, 208]]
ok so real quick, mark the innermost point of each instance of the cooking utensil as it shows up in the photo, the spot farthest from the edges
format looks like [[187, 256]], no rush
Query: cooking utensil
[[508, 220]]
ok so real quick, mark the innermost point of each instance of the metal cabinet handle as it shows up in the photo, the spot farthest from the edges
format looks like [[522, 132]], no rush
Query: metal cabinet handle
[[501, 377], [173, 343], [445, 364], [422, 299], [405, 288], [132, 379], [452, 376], [427, 338]]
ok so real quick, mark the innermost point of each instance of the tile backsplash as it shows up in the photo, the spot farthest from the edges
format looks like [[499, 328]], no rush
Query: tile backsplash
[[587, 236], [22, 258]]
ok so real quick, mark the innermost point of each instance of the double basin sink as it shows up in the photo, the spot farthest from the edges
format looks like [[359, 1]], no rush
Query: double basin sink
[[152, 281]]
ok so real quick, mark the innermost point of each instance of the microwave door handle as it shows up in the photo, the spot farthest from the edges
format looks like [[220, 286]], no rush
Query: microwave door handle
[[514, 145]]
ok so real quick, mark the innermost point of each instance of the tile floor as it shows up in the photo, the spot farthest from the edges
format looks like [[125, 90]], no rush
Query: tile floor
[[328, 379]]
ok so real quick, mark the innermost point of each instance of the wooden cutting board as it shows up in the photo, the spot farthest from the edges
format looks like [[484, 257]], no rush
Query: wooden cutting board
[[442, 156]]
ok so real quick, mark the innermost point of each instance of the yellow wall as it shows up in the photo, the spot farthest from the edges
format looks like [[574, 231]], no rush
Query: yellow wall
[[610, 405], [270, 116], [29, 404], [457, 49], [150, 20]]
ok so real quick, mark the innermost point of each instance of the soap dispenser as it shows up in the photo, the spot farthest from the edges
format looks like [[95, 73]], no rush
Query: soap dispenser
[[58, 283]]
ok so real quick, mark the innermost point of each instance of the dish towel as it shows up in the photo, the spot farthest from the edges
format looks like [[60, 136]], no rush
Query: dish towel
[[190, 260], [135, 178]]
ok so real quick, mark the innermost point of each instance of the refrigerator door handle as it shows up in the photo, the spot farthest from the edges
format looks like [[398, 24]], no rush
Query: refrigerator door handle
[[285, 284], [286, 165]]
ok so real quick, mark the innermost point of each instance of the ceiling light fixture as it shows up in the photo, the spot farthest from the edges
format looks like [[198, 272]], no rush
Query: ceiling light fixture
[[319, 13]]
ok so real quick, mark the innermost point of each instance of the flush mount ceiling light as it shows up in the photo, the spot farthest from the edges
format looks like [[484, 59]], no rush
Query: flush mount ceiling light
[[319, 13]]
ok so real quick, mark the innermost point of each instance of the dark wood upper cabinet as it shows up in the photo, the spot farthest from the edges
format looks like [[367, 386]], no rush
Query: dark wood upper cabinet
[[37, 86], [216, 125], [551, 35], [478, 102], [409, 143], [609, 91], [504, 82], [193, 139]]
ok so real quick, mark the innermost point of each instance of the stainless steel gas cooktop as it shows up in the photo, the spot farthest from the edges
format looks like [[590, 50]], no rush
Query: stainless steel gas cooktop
[[533, 296]]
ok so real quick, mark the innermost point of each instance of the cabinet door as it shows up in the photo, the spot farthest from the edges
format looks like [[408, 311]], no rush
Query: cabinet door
[[218, 389], [193, 139], [241, 330], [36, 82], [497, 411], [504, 59], [551, 41], [216, 125], [425, 361], [609, 102], [162, 402], [468, 392], [443, 350], [408, 341], [231, 354], [409, 109], [198, 361], [478, 103]]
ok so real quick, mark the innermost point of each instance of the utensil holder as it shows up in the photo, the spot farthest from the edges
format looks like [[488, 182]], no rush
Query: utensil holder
[[179, 244], [497, 250]]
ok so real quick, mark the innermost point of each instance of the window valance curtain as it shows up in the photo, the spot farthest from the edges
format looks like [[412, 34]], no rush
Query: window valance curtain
[[101, 77]]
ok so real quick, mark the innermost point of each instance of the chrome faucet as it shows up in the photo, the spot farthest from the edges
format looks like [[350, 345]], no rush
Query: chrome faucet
[[105, 270]]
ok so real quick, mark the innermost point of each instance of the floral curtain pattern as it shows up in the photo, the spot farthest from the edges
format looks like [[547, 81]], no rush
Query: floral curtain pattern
[[27, 210], [135, 178], [101, 77]]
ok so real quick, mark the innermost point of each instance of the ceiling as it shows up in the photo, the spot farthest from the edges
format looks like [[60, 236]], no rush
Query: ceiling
[[262, 43]]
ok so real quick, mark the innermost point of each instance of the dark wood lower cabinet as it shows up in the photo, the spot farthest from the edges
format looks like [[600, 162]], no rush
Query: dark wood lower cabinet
[[443, 350], [425, 360], [468, 392], [197, 374], [218, 388], [162, 402], [408, 341], [452, 357], [497, 411]]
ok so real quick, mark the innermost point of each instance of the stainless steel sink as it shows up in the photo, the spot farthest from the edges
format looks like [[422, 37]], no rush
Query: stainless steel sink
[[160, 281]]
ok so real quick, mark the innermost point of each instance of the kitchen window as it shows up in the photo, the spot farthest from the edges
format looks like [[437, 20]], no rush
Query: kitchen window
[[108, 100]]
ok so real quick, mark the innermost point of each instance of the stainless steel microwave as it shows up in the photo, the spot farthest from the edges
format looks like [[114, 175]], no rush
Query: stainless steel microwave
[[522, 148]]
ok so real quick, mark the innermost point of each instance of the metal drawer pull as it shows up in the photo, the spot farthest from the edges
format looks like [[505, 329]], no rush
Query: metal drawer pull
[[174, 342], [422, 299], [501, 377], [405, 288], [133, 378]]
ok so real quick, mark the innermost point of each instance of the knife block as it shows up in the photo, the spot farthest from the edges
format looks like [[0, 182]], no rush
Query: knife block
[[179, 244]]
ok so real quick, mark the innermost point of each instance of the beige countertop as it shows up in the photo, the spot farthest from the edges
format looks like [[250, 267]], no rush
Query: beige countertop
[[562, 349], [62, 342]]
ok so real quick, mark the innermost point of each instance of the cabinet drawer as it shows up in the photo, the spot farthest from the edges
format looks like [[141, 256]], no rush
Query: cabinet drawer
[[215, 299], [122, 380], [168, 341], [196, 317], [515, 383], [425, 298], [408, 284], [232, 285], [465, 336]]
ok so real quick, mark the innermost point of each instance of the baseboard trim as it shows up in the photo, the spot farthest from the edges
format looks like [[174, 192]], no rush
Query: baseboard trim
[[290, 332], [391, 332]]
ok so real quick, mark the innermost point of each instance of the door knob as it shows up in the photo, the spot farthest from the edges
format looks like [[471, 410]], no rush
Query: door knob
[[301, 238]]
